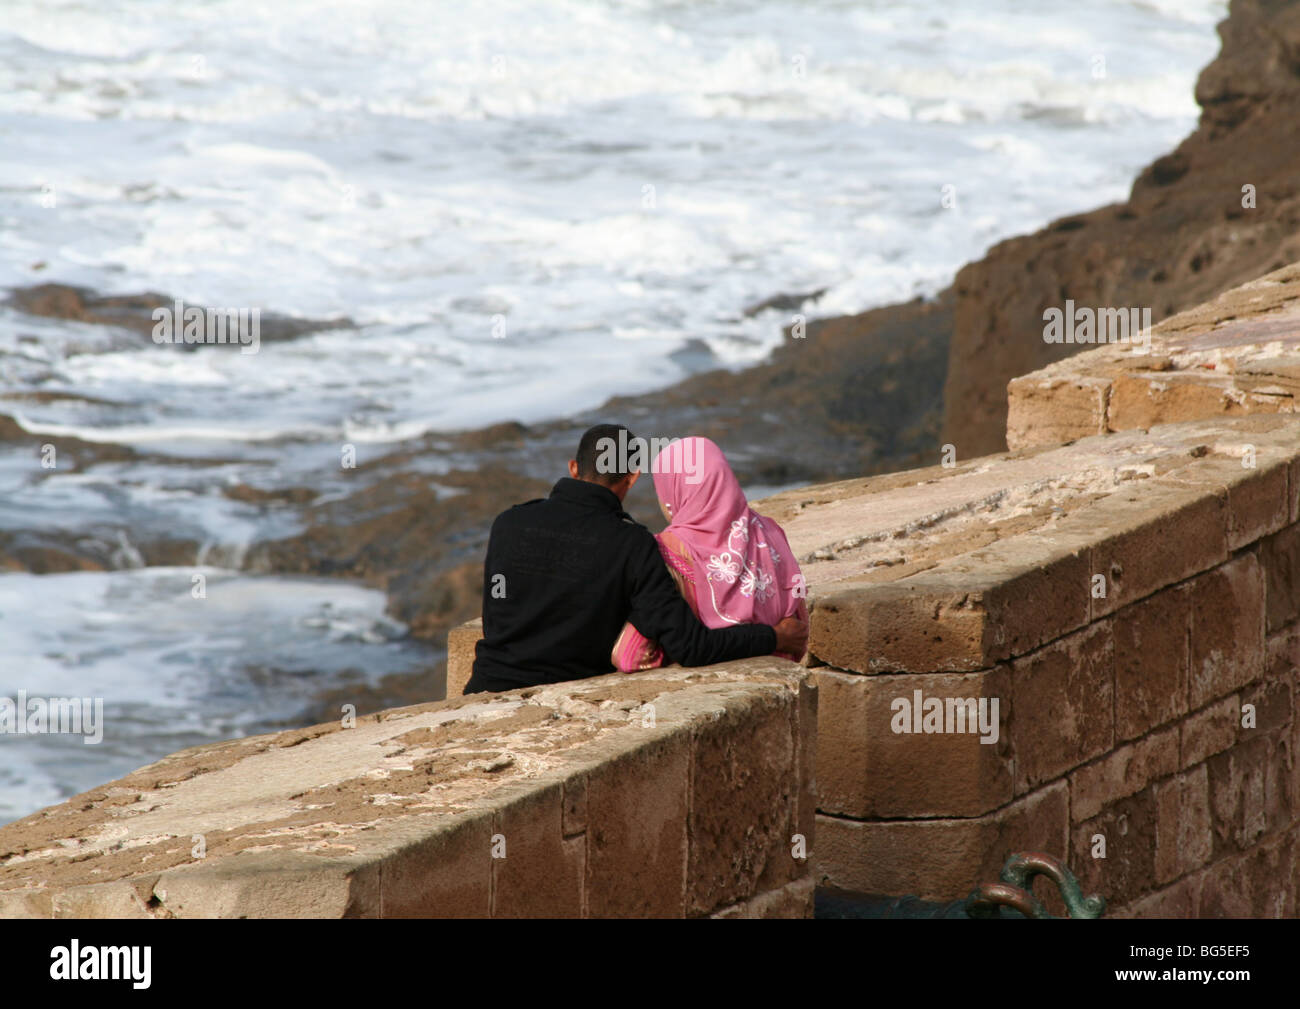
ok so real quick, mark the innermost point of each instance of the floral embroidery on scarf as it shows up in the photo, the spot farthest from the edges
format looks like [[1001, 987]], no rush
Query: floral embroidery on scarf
[[756, 583], [723, 569]]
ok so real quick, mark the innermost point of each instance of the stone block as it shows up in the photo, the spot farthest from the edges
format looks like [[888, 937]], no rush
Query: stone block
[[939, 859], [1152, 537], [1063, 711], [1280, 556], [794, 900], [460, 655], [743, 803], [1151, 662], [27, 903], [1178, 900], [916, 624], [1250, 792], [1125, 772], [1257, 501], [575, 805], [636, 831], [866, 769], [1211, 730], [1183, 837], [273, 884], [100, 900], [1127, 830], [1227, 641], [444, 870], [1044, 411], [542, 874], [1261, 883]]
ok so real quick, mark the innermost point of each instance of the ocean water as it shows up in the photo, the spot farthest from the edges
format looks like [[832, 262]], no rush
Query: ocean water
[[524, 207]]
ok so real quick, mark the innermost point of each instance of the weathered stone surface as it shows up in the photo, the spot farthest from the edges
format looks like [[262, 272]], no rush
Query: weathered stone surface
[[401, 816], [1127, 830], [575, 805], [939, 859], [1183, 838], [807, 727], [1237, 354], [924, 623], [28, 903], [1261, 883], [1227, 637], [1151, 662], [1063, 708], [1156, 536], [1280, 556], [1209, 731], [1258, 504], [1250, 791], [1178, 900], [1123, 772], [279, 884], [794, 900], [460, 655], [99, 900], [744, 772], [1056, 410], [1270, 703], [541, 875], [637, 810], [865, 769]]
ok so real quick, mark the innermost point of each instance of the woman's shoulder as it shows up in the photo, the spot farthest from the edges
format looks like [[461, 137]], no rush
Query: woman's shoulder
[[668, 541], [674, 552]]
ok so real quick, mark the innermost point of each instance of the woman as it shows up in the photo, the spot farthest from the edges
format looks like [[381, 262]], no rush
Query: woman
[[732, 565]]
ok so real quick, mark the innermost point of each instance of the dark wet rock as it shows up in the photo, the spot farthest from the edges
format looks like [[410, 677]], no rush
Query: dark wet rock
[[784, 302], [279, 495], [134, 312], [41, 555]]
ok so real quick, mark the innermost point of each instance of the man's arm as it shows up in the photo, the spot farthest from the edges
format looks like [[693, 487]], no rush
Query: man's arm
[[661, 614]]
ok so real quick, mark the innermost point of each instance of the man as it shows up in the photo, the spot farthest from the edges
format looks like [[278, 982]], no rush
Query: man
[[563, 574]]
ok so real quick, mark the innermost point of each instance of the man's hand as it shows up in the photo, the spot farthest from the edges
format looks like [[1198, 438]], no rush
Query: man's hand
[[791, 636]]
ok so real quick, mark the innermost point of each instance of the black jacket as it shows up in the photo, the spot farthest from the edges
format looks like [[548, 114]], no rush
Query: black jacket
[[561, 577]]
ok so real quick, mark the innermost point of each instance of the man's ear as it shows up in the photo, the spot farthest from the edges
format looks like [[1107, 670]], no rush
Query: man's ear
[[632, 479], [573, 468]]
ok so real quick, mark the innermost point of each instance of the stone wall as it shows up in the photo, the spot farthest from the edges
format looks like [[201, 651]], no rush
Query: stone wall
[[677, 794], [1123, 623], [1238, 354]]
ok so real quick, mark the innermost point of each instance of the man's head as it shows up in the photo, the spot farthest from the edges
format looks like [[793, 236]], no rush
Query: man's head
[[605, 456]]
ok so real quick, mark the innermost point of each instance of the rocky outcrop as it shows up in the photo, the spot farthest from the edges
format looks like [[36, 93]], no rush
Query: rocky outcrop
[[1189, 229]]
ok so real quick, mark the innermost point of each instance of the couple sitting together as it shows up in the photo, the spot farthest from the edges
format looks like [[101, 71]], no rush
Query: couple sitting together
[[574, 587]]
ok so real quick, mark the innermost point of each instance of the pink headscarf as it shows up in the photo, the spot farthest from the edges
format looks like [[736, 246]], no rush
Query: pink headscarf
[[745, 571]]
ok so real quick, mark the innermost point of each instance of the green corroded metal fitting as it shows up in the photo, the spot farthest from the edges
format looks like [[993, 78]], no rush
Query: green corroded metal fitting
[[1016, 890]]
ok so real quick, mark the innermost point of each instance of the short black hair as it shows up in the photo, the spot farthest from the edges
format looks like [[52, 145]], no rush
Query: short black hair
[[592, 448]]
